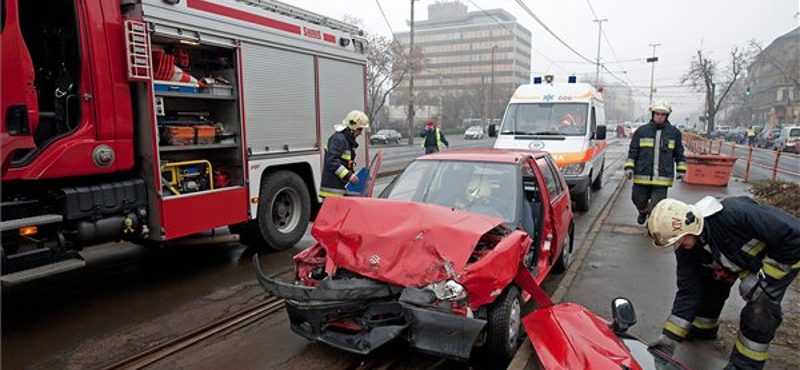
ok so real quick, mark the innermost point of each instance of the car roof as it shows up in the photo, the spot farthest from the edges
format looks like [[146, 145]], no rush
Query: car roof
[[484, 155]]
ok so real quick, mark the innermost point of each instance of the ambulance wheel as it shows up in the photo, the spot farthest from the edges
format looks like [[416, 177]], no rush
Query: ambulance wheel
[[284, 209], [583, 200], [597, 184], [504, 327]]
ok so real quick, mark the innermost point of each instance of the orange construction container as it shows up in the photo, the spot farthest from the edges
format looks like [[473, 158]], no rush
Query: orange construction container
[[177, 135], [708, 169]]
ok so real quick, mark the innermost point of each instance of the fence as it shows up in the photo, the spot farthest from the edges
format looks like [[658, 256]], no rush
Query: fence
[[753, 163]]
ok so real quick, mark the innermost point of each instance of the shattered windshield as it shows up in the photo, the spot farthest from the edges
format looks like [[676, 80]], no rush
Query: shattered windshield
[[486, 188], [567, 119]]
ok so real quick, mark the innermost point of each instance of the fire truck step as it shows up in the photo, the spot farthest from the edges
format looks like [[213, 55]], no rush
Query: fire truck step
[[30, 221], [42, 271]]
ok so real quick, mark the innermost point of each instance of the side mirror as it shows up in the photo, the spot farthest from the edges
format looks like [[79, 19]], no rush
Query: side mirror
[[492, 130], [601, 132], [623, 313]]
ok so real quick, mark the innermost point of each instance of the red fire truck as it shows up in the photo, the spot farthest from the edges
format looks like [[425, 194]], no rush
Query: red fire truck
[[152, 120]]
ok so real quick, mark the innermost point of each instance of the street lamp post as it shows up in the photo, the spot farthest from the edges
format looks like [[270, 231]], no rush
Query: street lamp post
[[599, 34], [491, 90], [411, 80], [652, 60]]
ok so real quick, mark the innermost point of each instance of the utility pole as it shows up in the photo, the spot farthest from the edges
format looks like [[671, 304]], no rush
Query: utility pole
[[491, 91], [599, 35], [439, 120], [411, 80], [652, 60]]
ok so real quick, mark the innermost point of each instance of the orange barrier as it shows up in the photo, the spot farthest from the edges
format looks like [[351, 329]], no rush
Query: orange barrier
[[708, 169]]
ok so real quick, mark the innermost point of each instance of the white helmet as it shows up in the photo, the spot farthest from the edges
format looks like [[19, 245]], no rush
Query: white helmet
[[661, 107], [355, 120], [670, 221]]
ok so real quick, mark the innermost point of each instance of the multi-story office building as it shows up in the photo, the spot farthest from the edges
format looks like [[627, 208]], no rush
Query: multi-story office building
[[474, 57]]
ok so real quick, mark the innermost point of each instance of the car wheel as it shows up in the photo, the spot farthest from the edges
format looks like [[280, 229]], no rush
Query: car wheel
[[597, 184], [583, 200], [504, 327], [284, 209], [562, 264]]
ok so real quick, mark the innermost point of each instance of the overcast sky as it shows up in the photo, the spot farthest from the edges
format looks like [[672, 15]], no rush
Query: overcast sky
[[680, 26]]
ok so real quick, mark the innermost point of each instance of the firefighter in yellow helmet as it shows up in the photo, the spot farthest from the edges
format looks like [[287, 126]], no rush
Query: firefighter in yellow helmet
[[340, 155], [717, 243], [654, 156]]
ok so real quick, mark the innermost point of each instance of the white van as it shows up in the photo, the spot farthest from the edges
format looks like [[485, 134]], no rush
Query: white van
[[565, 119]]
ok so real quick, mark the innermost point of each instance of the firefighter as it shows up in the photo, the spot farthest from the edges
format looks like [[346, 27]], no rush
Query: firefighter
[[433, 138], [717, 243], [751, 136], [654, 155], [340, 155]]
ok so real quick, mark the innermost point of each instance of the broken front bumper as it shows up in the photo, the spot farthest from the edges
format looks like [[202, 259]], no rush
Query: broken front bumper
[[360, 315]]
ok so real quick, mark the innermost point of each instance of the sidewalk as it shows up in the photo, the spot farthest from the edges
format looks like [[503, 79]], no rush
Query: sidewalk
[[622, 262]]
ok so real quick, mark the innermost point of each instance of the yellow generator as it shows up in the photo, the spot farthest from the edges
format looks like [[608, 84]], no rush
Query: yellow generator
[[187, 177]]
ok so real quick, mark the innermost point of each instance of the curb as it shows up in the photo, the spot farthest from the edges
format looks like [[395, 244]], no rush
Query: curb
[[525, 352]]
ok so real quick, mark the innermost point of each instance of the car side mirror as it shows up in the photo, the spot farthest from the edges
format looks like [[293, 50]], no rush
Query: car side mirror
[[492, 130], [623, 313], [600, 134]]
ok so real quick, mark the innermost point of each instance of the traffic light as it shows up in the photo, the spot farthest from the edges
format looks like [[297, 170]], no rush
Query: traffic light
[[748, 91]]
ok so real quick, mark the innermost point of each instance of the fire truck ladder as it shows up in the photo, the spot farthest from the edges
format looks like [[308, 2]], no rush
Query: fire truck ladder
[[303, 15]]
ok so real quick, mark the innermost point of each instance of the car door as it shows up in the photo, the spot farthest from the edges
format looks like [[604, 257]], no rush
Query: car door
[[554, 207]]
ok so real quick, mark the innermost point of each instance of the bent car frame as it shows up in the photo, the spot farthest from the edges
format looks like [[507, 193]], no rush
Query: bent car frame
[[444, 258]]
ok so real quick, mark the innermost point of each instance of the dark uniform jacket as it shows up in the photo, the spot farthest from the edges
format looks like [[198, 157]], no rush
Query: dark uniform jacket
[[744, 237], [340, 155], [655, 154]]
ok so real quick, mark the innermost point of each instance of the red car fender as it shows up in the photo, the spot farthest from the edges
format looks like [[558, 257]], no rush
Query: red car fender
[[568, 336], [486, 278]]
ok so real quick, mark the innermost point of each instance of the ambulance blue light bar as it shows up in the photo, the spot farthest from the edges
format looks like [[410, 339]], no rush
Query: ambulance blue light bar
[[572, 79], [537, 80]]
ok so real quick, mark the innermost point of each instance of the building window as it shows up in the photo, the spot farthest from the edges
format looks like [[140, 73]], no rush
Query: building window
[[780, 95]]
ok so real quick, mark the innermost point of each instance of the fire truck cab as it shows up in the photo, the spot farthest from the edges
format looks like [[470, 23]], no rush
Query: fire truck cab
[[152, 120]]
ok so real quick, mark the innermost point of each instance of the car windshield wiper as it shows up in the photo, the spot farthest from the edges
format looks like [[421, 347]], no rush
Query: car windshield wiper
[[546, 133]]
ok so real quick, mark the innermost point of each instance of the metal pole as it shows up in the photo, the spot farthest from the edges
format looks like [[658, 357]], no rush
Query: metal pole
[[491, 89], [749, 159], [411, 80], [652, 72], [440, 101], [775, 166], [599, 35]]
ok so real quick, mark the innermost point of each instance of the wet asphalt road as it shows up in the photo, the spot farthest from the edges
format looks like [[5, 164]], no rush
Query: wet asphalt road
[[132, 297]]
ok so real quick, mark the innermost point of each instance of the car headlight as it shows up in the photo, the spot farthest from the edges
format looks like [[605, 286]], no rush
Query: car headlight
[[449, 290], [573, 169]]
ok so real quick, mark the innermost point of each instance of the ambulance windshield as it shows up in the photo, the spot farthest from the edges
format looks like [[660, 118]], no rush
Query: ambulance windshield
[[567, 119]]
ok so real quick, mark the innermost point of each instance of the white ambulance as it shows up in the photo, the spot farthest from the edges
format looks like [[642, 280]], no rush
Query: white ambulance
[[565, 119]]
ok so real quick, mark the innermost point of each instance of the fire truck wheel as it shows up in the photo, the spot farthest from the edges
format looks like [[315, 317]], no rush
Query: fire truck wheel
[[284, 209]]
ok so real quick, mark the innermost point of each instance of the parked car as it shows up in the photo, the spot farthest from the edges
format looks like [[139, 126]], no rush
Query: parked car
[[766, 139], [474, 132], [438, 260], [789, 140], [737, 135], [385, 137]]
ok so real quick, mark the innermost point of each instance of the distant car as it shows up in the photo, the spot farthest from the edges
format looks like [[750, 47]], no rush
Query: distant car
[[766, 139], [441, 260], [789, 140], [474, 132], [385, 137]]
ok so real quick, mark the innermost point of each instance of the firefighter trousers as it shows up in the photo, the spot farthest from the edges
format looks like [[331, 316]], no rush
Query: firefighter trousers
[[758, 322], [645, 197]]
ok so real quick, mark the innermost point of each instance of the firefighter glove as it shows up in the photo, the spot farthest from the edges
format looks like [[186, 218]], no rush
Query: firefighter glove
[[751, 286], [629, 173], [664, 344]]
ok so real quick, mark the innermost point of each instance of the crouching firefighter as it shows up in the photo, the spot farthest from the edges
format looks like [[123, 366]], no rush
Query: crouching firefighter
[[340, 155], [654, 156], [717, 243]]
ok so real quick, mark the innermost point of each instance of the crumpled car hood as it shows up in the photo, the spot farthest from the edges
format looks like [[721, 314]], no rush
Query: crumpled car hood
[[568, 336], [401, 243]]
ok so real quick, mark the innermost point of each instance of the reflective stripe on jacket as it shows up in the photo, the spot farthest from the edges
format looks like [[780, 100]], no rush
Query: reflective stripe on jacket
[[655, 153]]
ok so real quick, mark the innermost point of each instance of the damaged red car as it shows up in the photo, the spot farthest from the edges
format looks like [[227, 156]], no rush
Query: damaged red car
[[441, 259]]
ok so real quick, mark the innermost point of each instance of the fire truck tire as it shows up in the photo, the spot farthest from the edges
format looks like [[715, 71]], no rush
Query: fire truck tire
[[504, 330], [284, 209]]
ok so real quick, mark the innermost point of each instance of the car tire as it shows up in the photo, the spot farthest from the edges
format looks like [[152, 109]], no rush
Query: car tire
[[385, 141], [562, 264], [504, 330], [284, 209], [597, 184], [583, 201]]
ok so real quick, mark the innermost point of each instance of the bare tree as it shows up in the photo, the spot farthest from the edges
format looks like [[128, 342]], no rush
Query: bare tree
[[704, 76]]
